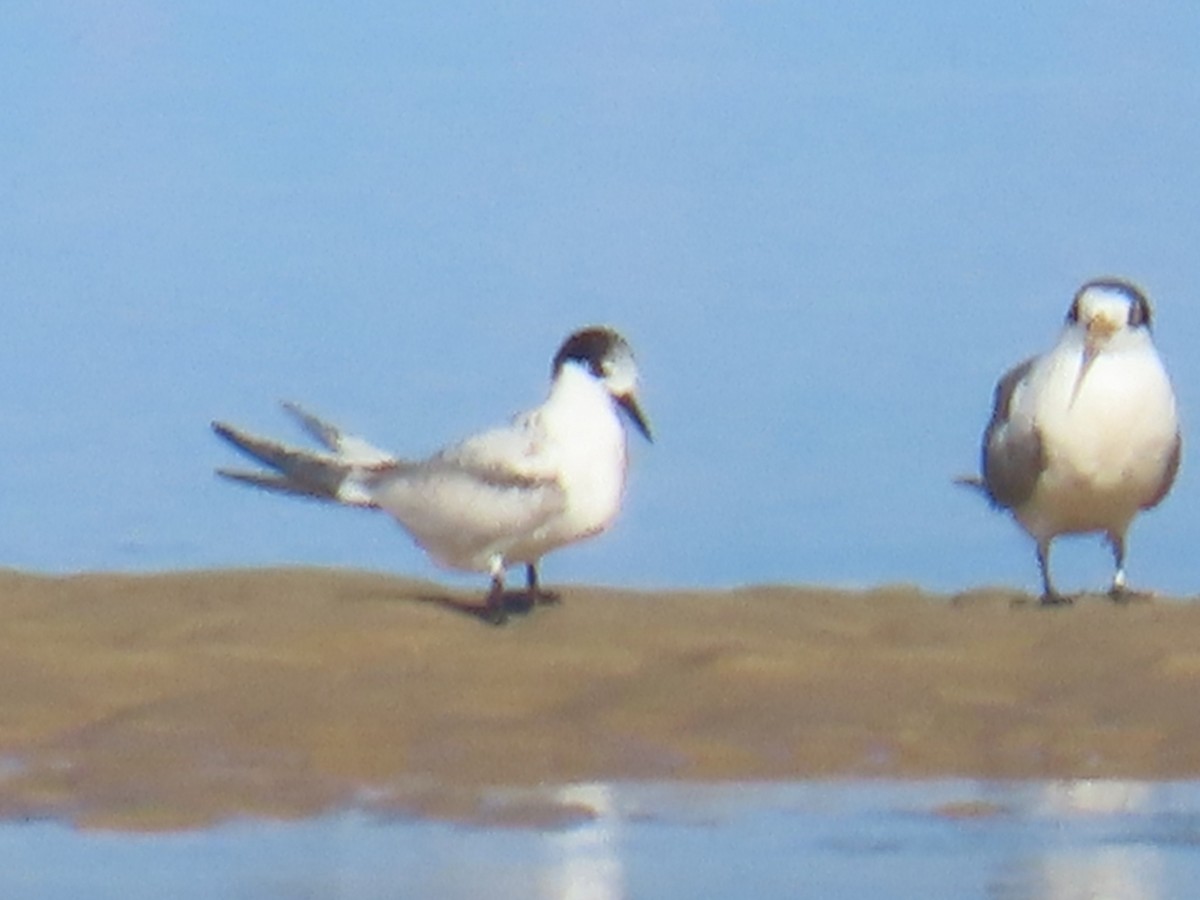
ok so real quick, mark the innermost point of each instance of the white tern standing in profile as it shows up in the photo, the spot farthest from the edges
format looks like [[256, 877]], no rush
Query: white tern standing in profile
[[1085, 436], [553, 476]]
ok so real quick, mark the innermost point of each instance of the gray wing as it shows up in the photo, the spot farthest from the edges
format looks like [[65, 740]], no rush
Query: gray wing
[[1013, 457], [514, 456], [1169, 473], [482, 495]]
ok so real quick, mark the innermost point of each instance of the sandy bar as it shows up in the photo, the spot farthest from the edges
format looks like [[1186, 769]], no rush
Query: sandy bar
[[185, 698]]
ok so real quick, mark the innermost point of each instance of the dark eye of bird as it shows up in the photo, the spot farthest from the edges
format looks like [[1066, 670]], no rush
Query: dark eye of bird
[[1139, 312], [1073, 312]]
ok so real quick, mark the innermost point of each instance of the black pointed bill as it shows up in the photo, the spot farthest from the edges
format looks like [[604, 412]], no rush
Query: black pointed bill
[[628, 402]]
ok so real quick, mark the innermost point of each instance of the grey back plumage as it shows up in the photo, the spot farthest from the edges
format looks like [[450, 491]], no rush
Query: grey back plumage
[[1013, 460], [1169, 473]]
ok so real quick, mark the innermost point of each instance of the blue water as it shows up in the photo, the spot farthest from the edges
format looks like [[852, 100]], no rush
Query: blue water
[[954, 839]]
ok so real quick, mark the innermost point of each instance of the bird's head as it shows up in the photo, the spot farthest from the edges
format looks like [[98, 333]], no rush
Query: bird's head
[[1106, 307], [1106, 311], [607, 356]]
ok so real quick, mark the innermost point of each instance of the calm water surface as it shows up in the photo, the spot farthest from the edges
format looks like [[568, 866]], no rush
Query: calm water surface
[[1019, 840]]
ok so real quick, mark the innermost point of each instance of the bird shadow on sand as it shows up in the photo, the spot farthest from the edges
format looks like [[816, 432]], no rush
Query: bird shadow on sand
[[512, 603], [1003, 597]]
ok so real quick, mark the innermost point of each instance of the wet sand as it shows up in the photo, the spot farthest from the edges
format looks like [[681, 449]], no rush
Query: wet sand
[[180, 699]]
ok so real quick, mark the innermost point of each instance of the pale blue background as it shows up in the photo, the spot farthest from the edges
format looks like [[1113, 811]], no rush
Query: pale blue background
[[825, 228]]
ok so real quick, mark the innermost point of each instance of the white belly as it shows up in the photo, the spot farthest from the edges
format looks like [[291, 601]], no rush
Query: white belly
[[1106, 448]]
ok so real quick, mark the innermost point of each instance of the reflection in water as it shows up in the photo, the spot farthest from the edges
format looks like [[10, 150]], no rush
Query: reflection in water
[[1101, 873], [585, 860], [1099, 840], [1061, 840], [1085, 850], [1092, 796]]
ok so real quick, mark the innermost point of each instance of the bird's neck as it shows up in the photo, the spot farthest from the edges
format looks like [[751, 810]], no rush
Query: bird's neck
[[577, 400]]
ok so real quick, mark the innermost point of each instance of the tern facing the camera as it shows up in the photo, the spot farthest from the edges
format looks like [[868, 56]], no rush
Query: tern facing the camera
[[1085, 436]]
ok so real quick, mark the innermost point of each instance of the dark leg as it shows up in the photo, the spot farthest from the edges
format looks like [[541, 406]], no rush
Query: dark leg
[[494, 612], [1050, 597], [536, 594]]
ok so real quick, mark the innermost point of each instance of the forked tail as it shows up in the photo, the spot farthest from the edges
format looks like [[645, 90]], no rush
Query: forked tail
[[332, 476]]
